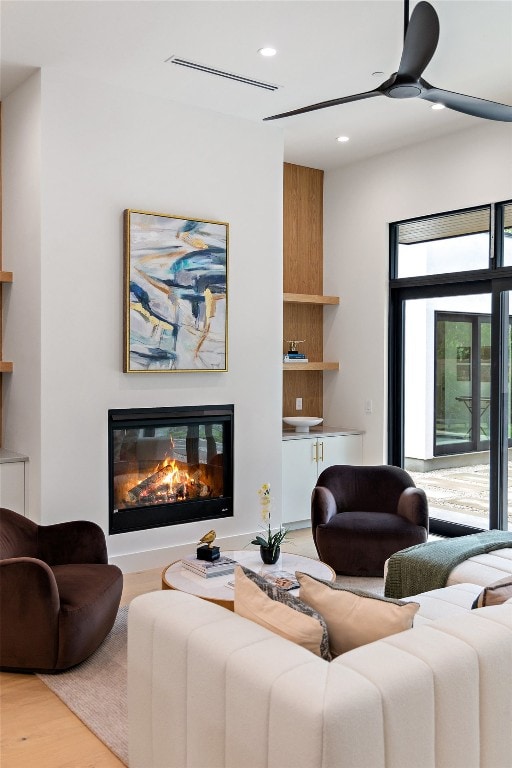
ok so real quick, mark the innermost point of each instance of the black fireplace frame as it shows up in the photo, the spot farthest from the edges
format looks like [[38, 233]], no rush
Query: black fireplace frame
[[157, 516]]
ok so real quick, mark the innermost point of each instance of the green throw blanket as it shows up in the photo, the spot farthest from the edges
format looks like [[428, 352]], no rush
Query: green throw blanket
[[427, 566]]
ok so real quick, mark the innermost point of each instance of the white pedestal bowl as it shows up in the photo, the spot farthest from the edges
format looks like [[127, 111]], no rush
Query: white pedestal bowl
[[302, 423]]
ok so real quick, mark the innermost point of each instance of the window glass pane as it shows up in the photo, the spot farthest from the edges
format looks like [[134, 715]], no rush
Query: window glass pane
[[507, 235], [454, 242], [509, 376], [508, 409], [484, 363], [453, 382]]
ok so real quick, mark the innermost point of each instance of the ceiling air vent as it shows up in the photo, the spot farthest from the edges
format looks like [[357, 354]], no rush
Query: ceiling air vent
[[220, 73]]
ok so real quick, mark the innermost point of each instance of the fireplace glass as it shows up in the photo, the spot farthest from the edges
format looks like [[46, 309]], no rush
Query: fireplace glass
[[170, 466]]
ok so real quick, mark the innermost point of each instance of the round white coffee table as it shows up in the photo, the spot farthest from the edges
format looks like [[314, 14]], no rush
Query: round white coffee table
[[215, 588]]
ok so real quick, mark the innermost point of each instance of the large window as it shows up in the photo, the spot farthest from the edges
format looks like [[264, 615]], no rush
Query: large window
[[450, 373]]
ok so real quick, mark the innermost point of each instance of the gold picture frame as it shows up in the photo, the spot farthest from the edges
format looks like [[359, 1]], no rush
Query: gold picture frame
[[175, 293]]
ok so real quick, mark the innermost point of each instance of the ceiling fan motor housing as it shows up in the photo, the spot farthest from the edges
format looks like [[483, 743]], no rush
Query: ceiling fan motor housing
[[398, 87], [404, 91]]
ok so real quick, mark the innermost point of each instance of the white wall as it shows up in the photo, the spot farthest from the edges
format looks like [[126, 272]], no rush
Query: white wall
[[104, 150], [465, 169], [419, 379], [21, 248]]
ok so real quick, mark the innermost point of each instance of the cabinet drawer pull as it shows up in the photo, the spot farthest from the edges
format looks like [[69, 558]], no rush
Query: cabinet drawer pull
[[321, 451]]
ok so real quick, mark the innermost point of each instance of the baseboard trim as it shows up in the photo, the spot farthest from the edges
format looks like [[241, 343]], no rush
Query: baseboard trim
[[159, 558]]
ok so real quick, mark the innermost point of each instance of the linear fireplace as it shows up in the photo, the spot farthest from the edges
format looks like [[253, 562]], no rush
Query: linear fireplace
[[169, 466]]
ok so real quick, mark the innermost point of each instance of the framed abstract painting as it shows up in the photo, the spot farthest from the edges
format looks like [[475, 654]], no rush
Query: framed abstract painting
[[175, 293]]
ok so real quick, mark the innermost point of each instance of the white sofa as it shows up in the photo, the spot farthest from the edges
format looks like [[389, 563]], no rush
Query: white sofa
[[209, 689], [483, 569]]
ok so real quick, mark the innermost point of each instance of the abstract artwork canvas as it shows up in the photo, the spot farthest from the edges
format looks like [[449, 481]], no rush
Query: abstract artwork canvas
[[175, 293]]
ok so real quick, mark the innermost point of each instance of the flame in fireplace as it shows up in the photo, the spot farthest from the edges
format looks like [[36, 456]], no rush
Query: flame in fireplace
[[177, 480], [167, 482]]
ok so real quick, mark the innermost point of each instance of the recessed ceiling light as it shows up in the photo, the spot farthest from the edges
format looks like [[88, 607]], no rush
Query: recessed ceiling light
[[341, 139], [267, 51], [437, 106]]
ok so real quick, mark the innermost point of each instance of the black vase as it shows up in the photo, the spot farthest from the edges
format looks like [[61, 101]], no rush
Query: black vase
[[270, 556]]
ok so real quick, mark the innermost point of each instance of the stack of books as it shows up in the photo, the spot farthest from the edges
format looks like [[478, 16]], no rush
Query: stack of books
[[295, 357], [220, 567]]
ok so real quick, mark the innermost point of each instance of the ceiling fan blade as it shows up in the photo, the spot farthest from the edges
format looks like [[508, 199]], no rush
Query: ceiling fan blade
[[420, 42], [470, 105], [323, 104]]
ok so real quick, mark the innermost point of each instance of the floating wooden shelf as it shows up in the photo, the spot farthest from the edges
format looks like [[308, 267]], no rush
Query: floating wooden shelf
[[307, 298], [5, 277], [311, 366], [6, 367]]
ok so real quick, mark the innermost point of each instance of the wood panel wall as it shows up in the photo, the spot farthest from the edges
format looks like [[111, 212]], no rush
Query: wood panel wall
[[303, 273], [303, 230]]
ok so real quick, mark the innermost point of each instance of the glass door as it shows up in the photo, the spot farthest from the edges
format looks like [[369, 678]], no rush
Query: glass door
[[501, 416], [447, 401], [462, 382]]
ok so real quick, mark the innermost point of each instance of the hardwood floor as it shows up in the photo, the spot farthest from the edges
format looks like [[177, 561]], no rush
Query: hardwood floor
[[38, 731]]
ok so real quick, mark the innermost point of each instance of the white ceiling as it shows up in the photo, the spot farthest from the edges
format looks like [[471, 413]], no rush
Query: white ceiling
[[326, 49]]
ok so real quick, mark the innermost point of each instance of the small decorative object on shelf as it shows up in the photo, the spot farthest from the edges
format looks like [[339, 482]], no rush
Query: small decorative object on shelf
[[206, 550], [292, 349], [293, 355], [270, 543]]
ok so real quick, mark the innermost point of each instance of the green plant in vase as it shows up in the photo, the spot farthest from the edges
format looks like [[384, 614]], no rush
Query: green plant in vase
[[270, 543]]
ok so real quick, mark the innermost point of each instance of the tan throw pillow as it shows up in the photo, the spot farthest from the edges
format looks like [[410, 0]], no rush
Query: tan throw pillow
[[354, 618], [264, 603], [495, 594]]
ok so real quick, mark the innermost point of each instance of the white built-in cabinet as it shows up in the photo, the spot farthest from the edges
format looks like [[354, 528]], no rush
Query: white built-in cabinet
[[304, 458], [13, 481]]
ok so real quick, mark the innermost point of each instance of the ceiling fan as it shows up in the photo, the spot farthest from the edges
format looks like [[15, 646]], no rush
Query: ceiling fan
[[421, 35]]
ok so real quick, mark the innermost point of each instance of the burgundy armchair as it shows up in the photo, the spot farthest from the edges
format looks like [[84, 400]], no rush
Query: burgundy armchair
[[59, 597], [360, 516]]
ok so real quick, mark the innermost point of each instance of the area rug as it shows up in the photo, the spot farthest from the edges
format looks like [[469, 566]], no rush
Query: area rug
[[96, 689], [372, 585]]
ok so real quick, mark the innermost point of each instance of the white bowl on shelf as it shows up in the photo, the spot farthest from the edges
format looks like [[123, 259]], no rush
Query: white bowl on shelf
[[302, 423]]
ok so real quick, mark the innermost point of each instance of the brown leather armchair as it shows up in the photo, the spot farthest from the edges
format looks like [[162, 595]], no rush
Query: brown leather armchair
[[360, 516], [58, 595]]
